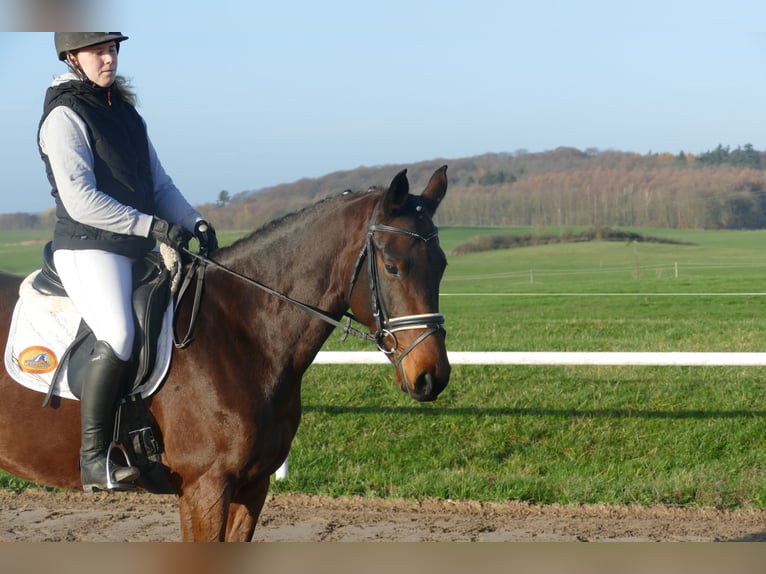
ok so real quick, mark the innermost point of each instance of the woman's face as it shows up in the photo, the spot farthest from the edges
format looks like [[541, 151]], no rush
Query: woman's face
[[98, 62]]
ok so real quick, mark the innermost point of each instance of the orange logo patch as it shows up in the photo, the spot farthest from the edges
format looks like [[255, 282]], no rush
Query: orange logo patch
[[37, 360]]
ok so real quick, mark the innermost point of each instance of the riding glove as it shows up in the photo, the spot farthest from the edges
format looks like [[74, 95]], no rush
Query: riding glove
[[171, 234], [208, 242]]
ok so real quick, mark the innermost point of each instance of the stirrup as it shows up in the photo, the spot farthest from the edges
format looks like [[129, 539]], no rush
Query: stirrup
[[113, 484]]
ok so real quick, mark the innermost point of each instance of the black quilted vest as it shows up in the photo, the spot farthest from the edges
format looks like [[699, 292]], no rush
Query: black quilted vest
[[121, 165]]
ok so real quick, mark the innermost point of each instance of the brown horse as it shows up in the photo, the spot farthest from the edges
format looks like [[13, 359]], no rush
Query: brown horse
[[231, 404]]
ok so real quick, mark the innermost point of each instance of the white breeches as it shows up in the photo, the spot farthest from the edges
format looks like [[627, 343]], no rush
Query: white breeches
[[100, 285]]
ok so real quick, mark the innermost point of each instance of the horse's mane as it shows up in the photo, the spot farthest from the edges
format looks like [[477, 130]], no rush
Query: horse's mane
[[295, 219]]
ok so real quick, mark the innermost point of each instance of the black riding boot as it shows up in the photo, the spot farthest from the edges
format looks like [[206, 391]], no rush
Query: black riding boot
[[100, 392]]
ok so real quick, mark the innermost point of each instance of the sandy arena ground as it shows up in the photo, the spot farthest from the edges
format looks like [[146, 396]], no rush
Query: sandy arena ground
[[37, 516]]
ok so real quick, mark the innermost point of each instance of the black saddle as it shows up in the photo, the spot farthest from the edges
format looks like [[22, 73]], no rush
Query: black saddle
[[151, 295]]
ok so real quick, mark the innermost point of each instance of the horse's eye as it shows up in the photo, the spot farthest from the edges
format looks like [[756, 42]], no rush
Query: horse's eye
[[392, 269]]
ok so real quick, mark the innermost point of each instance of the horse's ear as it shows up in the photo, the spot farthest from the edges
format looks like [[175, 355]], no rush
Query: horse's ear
[[436, 188], [397, 192]]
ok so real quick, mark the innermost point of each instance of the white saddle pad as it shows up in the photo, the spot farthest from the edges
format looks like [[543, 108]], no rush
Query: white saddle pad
[[43, 327]]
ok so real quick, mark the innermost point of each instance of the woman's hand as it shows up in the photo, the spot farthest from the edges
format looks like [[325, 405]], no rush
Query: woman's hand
[[170, 234], [208, 242]]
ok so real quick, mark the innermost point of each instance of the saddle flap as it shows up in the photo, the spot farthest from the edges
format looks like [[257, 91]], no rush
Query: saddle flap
[[151, 294]]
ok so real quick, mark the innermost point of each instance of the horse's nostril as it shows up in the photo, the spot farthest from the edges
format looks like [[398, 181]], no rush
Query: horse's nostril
[[427, 383], [427, 387]]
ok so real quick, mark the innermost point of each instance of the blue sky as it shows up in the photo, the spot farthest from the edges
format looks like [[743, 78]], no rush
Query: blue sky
[[240, 95]]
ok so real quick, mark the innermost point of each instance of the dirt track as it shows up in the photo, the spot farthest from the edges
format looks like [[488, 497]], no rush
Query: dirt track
[[36, 516]]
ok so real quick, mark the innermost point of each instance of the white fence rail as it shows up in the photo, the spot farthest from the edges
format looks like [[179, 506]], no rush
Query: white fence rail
[[561, 358], [679, 359]]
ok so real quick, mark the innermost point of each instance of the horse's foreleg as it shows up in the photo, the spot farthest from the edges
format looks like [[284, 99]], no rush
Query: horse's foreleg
[[204, 510], [244, 510]]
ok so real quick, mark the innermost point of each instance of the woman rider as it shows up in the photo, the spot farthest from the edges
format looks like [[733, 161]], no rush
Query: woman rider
[[113, 201]]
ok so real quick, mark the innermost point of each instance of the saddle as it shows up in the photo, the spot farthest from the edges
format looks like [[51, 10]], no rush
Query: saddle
[[136, 432], [151, 294]]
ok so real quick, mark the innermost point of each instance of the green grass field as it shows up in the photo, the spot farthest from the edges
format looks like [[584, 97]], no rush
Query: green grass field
[[646, 435]]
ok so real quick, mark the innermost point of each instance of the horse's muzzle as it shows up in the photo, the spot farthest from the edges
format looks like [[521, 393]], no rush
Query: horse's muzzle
[[427, 386], [432, 379]]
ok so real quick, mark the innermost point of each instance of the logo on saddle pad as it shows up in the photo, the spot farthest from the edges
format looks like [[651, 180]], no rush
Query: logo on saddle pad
[[37, 360]]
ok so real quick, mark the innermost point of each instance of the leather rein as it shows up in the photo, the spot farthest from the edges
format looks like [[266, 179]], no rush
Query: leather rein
[[386, 327]]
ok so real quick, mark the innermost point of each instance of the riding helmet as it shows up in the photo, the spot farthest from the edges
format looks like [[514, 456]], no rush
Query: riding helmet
[[72, 41]]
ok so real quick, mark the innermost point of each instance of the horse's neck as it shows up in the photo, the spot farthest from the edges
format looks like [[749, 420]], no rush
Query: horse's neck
[[305, 250], [308, 258]]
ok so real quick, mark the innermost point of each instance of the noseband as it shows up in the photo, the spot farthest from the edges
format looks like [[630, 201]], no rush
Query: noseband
[[386, 327]]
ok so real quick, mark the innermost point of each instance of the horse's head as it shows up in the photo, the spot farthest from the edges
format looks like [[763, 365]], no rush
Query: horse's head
[[396, 291]]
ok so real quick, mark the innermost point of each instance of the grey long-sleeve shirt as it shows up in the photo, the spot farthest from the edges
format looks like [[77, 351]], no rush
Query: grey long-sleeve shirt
[[64, 139]]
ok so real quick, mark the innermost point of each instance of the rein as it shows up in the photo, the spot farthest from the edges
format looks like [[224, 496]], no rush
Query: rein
[[386, 327], [198, 267]]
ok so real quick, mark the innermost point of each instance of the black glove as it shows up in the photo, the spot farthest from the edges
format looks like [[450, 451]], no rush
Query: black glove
[[169, 233], [208, 242]]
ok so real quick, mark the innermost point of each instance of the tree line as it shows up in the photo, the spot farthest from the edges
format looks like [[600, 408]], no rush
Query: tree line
[[722, 188]]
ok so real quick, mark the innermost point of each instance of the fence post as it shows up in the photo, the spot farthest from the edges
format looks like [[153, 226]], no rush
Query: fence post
[[281, 473]]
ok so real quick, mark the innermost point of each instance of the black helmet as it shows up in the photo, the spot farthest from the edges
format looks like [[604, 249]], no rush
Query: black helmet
[[71, 41]]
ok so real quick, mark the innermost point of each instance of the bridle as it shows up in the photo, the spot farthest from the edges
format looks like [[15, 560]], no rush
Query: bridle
[[385, 327]]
